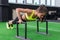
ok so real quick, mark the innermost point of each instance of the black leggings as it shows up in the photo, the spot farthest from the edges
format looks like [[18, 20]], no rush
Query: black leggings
[[16, 19]]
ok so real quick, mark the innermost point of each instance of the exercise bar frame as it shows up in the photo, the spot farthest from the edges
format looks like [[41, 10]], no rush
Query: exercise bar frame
[[17, 28]]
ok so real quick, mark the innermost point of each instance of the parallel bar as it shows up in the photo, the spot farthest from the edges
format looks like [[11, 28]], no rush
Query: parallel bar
[[17, 30], [37, 26], [25, 30], [46, 27]]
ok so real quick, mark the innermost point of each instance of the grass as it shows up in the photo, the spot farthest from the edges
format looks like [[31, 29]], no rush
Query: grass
[[54, 31]]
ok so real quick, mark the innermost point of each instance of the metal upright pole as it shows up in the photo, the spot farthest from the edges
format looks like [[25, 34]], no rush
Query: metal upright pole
[[25, 30], [17, 30], [46, 27], [37, 25]]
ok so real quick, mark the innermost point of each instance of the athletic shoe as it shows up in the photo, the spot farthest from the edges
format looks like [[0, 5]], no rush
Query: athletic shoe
[[8, 26], [11, 26]]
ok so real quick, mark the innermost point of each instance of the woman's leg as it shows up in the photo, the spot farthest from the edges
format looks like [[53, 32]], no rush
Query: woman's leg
[[11, 22]]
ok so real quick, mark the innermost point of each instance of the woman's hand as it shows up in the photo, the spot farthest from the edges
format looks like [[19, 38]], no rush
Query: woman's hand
[[20, 21]]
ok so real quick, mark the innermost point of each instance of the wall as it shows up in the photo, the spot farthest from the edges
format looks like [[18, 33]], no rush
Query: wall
[[57, 3]]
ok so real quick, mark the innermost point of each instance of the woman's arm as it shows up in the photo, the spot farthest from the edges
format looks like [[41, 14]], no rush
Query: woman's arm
[[18, 10]]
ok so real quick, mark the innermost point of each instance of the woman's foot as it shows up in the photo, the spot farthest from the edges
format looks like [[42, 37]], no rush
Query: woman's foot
[[9, 26]]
